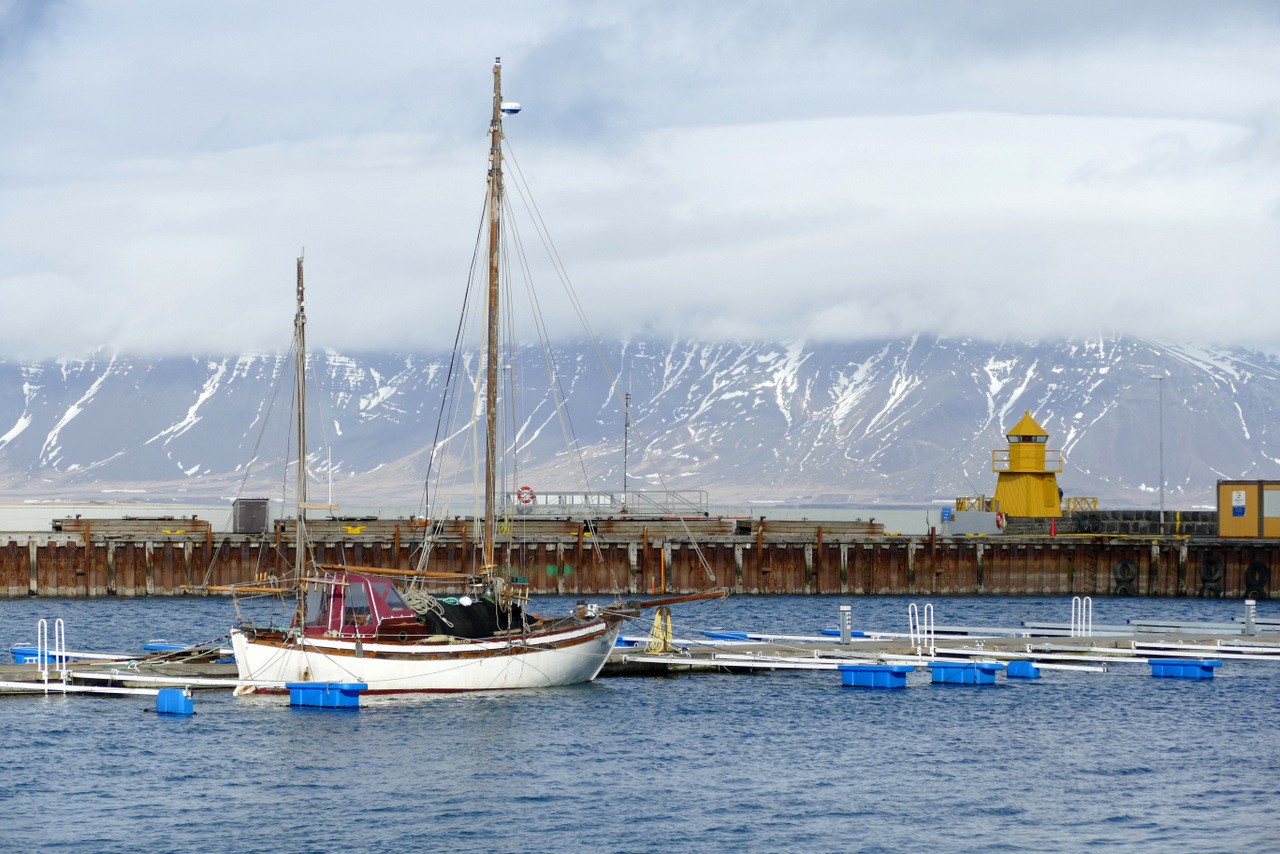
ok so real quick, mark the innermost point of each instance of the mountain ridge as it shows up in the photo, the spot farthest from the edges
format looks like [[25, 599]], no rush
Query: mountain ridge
[[902, 421]]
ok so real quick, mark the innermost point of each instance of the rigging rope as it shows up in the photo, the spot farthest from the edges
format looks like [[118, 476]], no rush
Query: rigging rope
[[423, 602]]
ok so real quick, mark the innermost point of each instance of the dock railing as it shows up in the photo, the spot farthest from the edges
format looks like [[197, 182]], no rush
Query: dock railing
[[976, 503], [530, 502], [1082, 617], [922, 634], [59, 651], [1080, 504]]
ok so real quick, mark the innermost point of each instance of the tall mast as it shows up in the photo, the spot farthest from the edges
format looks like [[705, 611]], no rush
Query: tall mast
[[300, 390], [491, 364]]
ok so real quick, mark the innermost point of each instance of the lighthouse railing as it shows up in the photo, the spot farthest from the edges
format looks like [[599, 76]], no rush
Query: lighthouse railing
[[1052, 461]]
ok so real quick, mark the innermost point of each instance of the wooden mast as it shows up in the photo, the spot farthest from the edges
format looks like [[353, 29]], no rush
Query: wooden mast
[[491, 364], [300, 391]]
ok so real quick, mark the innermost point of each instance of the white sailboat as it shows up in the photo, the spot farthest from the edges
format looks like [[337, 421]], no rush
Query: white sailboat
[[355, 625]]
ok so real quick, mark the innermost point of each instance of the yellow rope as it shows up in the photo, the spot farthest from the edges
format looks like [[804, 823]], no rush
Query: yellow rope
[[660, 635]]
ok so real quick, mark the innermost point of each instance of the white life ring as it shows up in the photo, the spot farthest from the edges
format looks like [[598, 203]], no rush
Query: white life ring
[[999, 520], [524, 495]]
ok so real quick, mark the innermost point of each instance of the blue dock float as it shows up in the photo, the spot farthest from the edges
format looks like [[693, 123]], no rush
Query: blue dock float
[[1183, 668], [965, 672], [326, 695], [875, 675], [175, 701], [1022, 670]]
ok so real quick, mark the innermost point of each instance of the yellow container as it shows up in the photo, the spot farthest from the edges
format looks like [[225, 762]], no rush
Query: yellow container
[[1249, 508]]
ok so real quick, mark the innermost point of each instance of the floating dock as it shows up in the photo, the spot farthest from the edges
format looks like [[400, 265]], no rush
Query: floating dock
[[869, 658], [1079, 645]]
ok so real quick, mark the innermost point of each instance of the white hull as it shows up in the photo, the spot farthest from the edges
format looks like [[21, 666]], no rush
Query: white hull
[[564, 657]]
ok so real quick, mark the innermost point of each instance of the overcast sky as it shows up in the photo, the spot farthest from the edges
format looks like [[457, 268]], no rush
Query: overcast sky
[[747, 170]]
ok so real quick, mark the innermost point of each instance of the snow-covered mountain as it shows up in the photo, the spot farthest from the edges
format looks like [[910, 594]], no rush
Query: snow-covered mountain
[[897, 422]]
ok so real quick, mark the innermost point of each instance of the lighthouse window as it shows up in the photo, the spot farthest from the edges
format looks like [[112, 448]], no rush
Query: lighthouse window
[[1013, 440]]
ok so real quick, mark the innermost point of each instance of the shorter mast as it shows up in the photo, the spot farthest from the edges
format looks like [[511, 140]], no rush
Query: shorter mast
[[300, 391]]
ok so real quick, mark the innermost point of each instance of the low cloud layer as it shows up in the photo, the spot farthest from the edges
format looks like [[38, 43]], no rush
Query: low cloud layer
[[823, 171]]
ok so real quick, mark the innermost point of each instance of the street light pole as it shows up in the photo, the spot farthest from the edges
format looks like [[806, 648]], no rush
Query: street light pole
[[1160, 379]]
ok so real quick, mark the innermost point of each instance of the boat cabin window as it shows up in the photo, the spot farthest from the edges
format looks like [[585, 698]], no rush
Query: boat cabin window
[[387, 595], [318, 600], [357, 611]]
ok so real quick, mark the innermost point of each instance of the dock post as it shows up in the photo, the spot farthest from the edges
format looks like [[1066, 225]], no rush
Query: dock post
[[846, 624], [33, 567], [1182, 569], [150, 568], [1154, 565], [911, 566], [188, 574], [633, 567]]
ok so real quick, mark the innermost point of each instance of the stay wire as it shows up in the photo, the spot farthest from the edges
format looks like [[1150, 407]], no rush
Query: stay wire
[[257, 446], [448, 383], [559, 394], [544, 234]]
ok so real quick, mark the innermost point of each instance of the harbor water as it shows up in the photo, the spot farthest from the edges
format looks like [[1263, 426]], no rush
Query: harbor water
[[777, 761]]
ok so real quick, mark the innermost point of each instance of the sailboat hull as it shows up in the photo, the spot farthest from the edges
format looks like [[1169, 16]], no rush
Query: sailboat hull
[[559, 657]]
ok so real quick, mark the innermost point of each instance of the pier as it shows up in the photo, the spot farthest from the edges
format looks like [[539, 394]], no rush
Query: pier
[[632, 557]]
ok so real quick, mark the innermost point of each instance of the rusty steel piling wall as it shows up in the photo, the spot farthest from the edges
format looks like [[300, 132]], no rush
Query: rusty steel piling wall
[[587, 562]]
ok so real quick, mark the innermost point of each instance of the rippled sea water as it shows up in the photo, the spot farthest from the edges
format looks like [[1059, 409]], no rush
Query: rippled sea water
[[748, 763]]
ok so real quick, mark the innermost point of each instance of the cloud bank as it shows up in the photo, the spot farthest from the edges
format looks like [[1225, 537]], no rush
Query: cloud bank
[[739, 170]]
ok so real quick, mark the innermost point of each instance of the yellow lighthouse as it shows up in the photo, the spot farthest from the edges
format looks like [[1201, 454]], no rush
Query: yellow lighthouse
[[1026, 484]]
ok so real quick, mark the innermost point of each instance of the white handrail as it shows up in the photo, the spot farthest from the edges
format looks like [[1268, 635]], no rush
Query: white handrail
[[60, 647], [1081, 617], [922, 634], [928, 619], [58, 653], [42, 648]]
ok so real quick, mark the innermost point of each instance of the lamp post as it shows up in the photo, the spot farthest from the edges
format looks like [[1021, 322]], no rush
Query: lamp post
[[1160, 379]]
